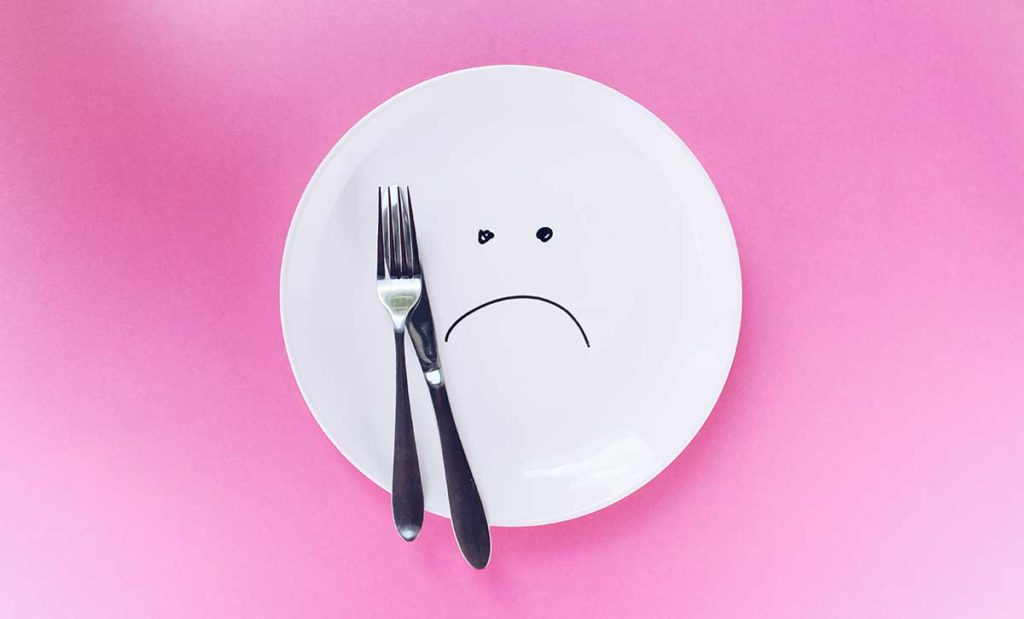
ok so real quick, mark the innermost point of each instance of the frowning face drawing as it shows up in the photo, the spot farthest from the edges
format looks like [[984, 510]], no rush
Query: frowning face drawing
[[544, 234]]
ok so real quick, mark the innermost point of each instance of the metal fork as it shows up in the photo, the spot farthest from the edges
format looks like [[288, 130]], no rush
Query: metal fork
[[399, 287]]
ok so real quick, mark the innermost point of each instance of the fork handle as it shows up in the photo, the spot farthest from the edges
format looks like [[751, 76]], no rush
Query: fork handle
[[406, 487], [468, 517]]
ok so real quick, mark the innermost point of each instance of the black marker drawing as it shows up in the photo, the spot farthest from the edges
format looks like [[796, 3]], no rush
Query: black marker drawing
[[518, 297], [484, 235], [545, 234]]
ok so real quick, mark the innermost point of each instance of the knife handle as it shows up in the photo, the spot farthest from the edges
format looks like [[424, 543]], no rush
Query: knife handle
[[406, 486], [468, 517]]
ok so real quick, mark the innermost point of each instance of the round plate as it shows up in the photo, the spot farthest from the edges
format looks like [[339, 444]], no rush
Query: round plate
[[566, 402]]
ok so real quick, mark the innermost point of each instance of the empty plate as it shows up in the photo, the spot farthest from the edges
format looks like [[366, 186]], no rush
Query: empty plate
[[583, 276]]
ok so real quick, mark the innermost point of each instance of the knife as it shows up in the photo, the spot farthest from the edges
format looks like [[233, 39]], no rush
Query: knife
[[468, 518]]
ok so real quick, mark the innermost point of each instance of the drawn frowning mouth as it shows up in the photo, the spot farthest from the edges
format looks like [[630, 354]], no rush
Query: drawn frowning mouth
[[517, 297]]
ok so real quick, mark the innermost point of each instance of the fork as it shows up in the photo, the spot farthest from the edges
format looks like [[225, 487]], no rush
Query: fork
[[399, 287]]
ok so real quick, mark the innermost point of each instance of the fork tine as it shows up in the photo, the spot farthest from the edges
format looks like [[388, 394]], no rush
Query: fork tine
[[381, 270], [393, 232], [389, 262], [407, 232], [401, 229], [414, 244]]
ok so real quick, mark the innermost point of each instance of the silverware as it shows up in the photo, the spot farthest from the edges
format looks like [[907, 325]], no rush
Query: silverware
[[399, 287], [468, 518]]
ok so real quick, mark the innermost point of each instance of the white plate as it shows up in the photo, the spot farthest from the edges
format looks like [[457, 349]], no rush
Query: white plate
[[642, 255]]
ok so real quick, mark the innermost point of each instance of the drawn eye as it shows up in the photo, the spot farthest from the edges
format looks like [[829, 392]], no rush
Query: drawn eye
[[484, 235], [545, 234]]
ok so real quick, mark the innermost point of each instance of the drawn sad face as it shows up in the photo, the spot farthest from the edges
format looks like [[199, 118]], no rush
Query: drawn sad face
[[535, 299], [544, 234]]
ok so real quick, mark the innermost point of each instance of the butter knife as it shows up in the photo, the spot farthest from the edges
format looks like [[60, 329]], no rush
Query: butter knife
[[468, 518]]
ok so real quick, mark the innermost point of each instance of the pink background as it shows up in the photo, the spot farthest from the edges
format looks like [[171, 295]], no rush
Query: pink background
[[866, 457]]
